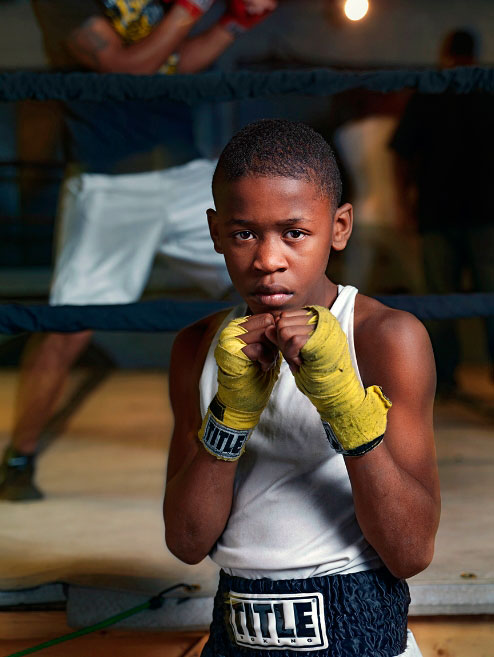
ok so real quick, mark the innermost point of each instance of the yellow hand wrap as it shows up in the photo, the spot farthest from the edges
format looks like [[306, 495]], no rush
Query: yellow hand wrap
[[243, 393], [354, 418]]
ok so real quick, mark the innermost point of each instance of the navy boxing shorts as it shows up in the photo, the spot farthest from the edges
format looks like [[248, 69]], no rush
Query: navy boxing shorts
[[355, 615]]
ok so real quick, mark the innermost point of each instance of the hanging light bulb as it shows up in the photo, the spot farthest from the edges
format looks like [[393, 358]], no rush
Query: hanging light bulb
[[356, 9]]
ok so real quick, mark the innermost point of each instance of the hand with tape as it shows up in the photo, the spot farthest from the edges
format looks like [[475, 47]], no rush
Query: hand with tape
[[316, 349], [242, 15], [248, 367]]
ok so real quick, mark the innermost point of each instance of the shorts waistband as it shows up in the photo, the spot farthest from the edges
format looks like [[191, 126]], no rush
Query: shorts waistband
[[354, 615]]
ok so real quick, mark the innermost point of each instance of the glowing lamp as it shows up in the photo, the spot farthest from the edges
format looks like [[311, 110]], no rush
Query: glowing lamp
[[356, 9]]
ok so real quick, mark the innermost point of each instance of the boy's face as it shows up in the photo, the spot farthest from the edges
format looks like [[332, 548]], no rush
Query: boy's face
[[276, 234]]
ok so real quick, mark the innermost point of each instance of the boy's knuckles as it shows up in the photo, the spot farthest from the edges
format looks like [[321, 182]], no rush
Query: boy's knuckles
[[254, 335], [253, 351], [293, 334], [258, 322], [300, 340], [297, 342], [285, 333]]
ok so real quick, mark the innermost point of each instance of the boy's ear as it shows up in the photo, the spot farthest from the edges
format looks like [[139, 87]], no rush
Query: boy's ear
[[342, 226], [213, 230]]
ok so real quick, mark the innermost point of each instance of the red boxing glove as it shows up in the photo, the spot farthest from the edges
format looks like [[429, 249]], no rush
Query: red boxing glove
[[236, 19], [195, 8]]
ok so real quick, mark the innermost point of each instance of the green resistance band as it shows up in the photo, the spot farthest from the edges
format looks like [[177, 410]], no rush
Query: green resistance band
[[155, 602]]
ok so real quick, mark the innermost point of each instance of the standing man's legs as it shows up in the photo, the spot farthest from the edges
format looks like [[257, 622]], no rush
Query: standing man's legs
[[46, 363], [110, 229]]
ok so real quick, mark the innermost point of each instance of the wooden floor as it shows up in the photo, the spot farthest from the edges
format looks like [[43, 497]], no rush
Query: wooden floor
[[104, 477], [456, 636], [38, 627]]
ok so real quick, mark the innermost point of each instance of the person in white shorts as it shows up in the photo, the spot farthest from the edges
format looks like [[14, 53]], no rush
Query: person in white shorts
[[112, 227], [116, 210]]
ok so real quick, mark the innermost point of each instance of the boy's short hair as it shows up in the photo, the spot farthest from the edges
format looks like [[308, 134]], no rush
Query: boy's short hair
[[278, 147]]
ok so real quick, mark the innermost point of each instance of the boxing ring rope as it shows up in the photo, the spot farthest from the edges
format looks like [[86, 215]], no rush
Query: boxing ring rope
[[219, 86], [170, 315]]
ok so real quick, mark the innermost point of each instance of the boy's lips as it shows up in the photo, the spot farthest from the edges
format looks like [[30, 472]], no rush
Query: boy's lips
[[272, 295]]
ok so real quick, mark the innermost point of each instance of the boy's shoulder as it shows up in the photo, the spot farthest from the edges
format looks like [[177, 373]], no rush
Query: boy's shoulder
[[375, 318], [390, 338]]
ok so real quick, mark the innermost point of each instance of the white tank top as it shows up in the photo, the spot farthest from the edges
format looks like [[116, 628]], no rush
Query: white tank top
[[292, 514]]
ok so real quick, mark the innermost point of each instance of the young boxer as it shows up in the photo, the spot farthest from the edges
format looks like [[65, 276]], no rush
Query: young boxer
[[302, 459]]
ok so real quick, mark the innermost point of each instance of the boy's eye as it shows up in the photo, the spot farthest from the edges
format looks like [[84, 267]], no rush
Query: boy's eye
[[295, 234], [244, 235]]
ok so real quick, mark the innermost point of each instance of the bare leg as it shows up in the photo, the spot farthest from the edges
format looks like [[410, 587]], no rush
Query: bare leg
[[44, 370], [45, 366]]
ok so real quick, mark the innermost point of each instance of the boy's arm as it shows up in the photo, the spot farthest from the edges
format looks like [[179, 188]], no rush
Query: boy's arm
[[199, 488], [396, 486]]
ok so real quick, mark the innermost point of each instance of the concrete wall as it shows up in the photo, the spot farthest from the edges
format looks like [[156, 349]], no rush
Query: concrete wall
[[20, 40]]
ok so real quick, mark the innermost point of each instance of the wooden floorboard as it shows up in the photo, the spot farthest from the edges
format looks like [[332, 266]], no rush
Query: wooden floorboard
[[454, 636], [437, 636], [196, 649], [20, 630]]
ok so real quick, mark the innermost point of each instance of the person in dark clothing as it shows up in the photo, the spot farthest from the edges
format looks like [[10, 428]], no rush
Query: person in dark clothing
[[444, 145]]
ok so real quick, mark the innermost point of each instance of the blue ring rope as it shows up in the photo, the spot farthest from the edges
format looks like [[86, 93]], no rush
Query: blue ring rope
[[221, 86], [171, 315]]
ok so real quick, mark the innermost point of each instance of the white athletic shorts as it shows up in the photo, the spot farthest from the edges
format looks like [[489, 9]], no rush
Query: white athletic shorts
[[111, 228]]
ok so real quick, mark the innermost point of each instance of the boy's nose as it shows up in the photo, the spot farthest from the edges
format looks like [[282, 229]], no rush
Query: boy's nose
[[269, 257]]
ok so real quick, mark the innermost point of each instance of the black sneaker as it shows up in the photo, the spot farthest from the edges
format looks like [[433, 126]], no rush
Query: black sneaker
[[16, 477]]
